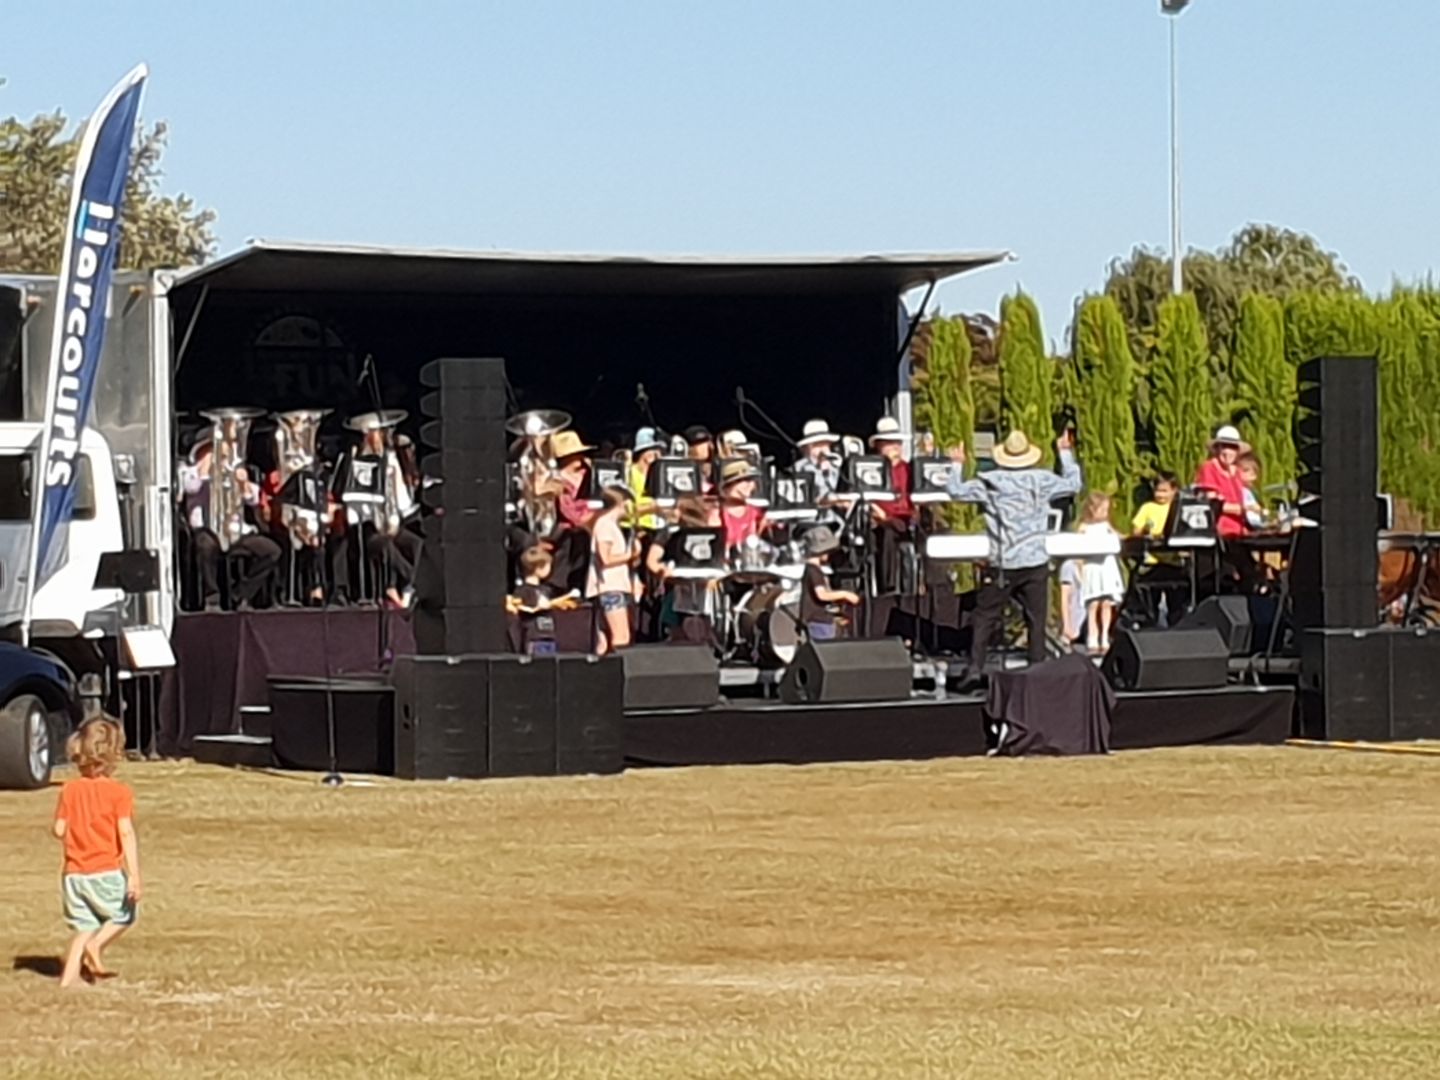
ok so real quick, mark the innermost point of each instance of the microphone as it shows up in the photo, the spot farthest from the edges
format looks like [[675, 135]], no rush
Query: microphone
[[641, 398], [365, 368]]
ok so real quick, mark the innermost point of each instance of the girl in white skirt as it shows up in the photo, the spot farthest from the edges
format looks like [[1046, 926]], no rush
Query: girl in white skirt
[[1102, 585]]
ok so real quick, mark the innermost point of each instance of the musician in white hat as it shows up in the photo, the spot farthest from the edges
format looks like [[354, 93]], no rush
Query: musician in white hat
[[1016, 500], [894, 519], [1220, 476], [379, 499], [820, 461]]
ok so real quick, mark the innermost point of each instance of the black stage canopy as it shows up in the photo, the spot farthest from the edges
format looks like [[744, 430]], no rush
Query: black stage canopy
[[289, 325]]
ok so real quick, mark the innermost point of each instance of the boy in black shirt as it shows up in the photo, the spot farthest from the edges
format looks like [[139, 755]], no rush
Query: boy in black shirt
[[534, 601], [816, 595]]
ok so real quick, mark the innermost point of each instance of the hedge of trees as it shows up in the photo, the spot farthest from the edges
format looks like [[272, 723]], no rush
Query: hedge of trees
[[1147, 377]]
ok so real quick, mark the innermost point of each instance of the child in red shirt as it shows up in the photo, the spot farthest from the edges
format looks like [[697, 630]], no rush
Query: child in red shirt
[[95, 821]]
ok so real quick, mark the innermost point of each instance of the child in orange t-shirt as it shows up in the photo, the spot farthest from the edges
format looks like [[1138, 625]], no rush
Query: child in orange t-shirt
[[95, 820]]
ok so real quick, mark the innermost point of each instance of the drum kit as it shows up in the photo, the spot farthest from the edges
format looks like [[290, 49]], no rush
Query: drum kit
[[760, 608]]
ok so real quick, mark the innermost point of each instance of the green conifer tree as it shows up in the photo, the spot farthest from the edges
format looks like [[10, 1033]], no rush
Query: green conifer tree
[[1265, 387], [1182, 401], [1026, 373], [1104, 389]]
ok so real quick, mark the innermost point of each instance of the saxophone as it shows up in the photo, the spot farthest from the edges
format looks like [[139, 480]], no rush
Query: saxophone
[[228, 440], [296, 433]]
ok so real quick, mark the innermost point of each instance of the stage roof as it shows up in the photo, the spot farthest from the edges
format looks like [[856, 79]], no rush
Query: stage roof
[[277, 266]]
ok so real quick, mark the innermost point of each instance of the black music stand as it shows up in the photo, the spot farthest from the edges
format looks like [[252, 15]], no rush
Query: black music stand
[[142, 653]]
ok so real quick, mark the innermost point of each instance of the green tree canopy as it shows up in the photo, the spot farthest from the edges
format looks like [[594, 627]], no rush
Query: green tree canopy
[[1265, 387], [36, 161], [1104, 370], [1183, 405], [1026, 371]]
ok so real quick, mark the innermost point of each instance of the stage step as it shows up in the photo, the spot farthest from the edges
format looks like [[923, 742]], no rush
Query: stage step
[[255, 720], [249, 750]]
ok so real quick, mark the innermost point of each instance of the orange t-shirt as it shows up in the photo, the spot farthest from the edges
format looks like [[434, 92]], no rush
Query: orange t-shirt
[[92, 807]]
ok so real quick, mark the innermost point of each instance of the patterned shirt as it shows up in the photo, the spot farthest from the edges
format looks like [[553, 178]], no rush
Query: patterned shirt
[[1016, 503], [826, 475]]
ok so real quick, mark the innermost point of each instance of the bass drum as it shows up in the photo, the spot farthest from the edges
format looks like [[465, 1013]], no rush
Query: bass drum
[[766, 623]]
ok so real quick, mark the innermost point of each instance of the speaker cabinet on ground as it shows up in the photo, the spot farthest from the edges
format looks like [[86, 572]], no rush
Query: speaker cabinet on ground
[[299, 723], [441, 726], [671, 677], [507, 715], [1175, 659], [1369, 685], [1227, 615], [848, 671], [589, 715]]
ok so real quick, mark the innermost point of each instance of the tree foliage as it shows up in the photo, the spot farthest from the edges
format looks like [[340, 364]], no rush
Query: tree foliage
[[37, 159], [1026, 372], [1183, 402], [1265, 386], [1104, 396]]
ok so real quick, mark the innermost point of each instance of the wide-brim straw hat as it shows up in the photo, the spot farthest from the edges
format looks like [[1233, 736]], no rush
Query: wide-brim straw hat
[[887, 429], [1229, 435], [735, 471], [565, 444], [1017, 452], [817, 431]]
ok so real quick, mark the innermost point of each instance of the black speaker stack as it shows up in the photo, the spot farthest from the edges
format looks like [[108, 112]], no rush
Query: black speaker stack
[[1334, 578], [671, 676], [1378, 684], [460, 580], [470, 717]]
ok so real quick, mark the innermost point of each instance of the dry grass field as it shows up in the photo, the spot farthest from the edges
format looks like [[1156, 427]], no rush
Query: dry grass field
[[1196, 913]]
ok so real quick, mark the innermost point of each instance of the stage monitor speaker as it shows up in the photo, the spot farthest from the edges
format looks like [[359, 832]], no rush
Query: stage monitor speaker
[[671, 677], [441, 726], [835, 672], [1229, 616], [589, 714], [364, 723], [1174, 659]]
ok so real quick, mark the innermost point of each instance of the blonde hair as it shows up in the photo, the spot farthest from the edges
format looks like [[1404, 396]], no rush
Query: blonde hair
[[1094, 503], [97, 747]]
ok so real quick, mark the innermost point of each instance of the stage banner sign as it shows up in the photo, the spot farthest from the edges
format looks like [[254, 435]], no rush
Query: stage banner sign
[[92, 236]]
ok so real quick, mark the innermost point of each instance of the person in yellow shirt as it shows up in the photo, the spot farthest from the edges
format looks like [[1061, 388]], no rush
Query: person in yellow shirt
[[1150, 519], [648, 449], [1162, 577]]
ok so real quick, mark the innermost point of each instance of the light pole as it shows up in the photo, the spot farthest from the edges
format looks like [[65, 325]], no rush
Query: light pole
[[1173, 8]]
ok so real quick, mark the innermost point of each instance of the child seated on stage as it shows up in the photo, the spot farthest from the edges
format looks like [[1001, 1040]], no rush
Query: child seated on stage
[[1102, 586], [1151, 518], [1249, 466], [816, 595], [535, 600]]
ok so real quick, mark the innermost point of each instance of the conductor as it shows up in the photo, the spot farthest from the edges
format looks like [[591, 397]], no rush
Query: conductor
[[1016, 500]]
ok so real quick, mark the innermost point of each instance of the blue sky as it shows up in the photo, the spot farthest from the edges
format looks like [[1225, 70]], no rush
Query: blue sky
[[777, 125]]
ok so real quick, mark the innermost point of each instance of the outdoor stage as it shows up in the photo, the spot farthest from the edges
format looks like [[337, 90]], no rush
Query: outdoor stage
[[217, 707]]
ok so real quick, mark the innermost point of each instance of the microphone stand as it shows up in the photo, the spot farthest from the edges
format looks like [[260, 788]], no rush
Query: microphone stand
[[382, 623], [332, 778], [742, 402]]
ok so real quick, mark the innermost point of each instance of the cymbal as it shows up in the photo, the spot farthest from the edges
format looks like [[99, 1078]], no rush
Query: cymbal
[[538, 423], [371, 421]]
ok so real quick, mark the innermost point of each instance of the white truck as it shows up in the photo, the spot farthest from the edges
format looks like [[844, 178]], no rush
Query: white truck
[[124, 495]]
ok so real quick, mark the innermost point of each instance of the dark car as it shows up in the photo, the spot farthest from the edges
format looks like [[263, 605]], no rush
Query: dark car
[[38, 709]]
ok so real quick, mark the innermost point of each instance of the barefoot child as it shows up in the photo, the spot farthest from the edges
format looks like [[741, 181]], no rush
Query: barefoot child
[[95, 821]]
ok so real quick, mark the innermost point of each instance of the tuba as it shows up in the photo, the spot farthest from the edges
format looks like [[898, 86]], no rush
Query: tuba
[[228, 439], [302, 500], [537, 506]]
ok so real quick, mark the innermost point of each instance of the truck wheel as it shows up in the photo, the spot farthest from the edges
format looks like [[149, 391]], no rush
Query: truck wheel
[[24, 743]]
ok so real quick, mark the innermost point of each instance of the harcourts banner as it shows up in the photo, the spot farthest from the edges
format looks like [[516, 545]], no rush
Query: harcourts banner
[[91, 239]]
